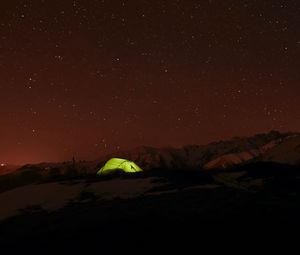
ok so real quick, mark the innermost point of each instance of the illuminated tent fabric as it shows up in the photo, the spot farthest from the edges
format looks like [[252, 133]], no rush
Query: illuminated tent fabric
[[117, 164]]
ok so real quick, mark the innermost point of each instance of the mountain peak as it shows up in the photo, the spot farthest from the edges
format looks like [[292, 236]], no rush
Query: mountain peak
[[222, 154]]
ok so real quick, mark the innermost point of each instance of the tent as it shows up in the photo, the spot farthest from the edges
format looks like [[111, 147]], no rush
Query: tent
[[119, 164]]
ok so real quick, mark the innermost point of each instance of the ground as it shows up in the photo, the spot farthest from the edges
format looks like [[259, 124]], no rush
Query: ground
[[151, 208]]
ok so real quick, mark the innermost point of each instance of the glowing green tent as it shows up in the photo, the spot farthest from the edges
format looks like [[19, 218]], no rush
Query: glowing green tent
[[118, 164]]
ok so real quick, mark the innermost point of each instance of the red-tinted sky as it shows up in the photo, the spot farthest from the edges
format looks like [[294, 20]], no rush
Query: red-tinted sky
[[87, 77]]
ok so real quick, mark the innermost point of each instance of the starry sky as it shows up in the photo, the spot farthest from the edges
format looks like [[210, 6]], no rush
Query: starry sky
[[88, 77]]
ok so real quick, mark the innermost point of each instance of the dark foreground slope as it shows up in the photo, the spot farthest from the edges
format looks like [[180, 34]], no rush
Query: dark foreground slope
[[179, 207]]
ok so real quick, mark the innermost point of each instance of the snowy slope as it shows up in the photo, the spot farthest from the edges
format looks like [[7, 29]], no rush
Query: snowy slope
[[288, 152]]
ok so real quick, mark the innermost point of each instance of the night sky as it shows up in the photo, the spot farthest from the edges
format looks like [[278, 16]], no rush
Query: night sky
[[88, 77]]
